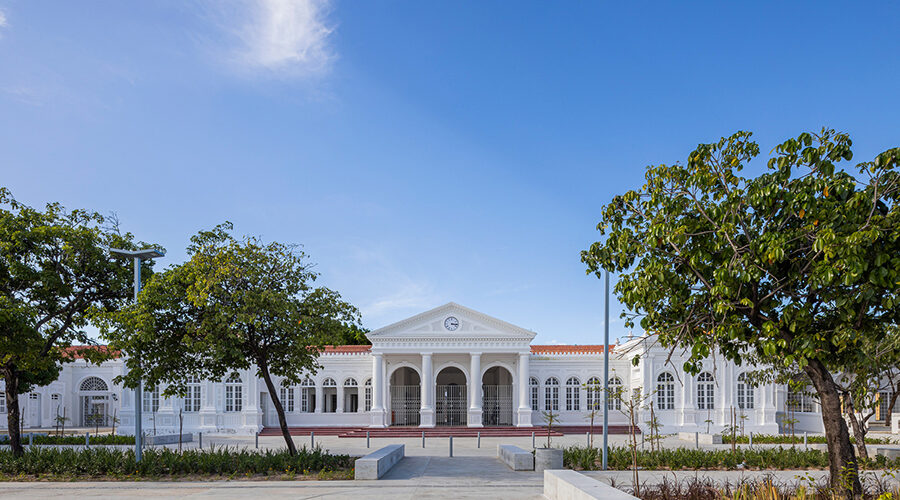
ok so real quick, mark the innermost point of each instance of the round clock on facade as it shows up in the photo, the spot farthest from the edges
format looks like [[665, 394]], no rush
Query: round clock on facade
[[451, 323]]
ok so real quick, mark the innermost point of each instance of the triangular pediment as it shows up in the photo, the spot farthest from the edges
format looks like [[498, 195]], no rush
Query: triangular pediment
[[451, 320]]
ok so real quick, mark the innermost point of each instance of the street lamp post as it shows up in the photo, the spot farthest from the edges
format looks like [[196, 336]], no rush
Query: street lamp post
[[138, 256], [606, 374]]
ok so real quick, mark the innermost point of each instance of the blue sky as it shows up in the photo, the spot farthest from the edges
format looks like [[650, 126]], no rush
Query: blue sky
[[423, 152]]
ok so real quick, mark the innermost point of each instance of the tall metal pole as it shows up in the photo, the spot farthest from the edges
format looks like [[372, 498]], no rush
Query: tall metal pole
[[139, 403], [606, 374]]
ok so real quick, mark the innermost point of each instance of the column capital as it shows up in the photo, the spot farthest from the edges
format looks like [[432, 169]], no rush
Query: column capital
[[428, 354], [475, 354]]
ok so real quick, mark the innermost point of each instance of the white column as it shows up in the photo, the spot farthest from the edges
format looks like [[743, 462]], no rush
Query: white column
[[377, 411], [320, 398], [524, 411], [474, 419], [426, 413], [340, 397], [208, 409]]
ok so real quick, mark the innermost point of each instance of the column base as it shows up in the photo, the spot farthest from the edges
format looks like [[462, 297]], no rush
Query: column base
[[426, 417], [252, 420], [474, 418], [523, 417], [207, 418], [376, 418]]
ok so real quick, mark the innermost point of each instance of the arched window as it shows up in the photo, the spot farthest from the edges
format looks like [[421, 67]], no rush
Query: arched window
[[665, 391], [615, 393], [307, 396], [706, 392], [368, 395], [287, 398], [350, 382], [744, 393], [192, 397], [234, 387], [94, 384], [551, 394], [151, 400], [535, 394], [329, 382], [593, 394], [573, 394]]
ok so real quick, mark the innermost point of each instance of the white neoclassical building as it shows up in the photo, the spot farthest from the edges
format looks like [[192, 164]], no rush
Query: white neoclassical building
[[450, 366]]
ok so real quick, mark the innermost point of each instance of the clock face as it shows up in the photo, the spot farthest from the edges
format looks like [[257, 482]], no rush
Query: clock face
[[451, 323]]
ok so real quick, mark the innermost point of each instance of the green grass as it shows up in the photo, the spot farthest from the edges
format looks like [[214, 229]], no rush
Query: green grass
[[101, 439], [583, 458], [797, 439], [70, 463]]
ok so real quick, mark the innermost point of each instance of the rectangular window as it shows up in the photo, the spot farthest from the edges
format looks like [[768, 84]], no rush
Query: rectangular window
[[368, 397], [551, 401], [705, 396], [151, 400], [665, 396], [233, 400], [573, 401], [192, 399], [798, 401], [535, 398], [287, 399], [3, 403]]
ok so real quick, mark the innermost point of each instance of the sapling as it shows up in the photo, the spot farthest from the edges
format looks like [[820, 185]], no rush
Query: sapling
[[550, 418]]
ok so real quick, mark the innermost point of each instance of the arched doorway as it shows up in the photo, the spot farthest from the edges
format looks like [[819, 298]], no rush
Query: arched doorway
[[94, 396], [406, 397], [450, 401], [497, 397]]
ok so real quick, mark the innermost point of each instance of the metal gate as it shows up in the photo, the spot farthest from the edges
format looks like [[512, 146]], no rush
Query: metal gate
[[93, 411], [406, 401], [497, 405], [451, 406]]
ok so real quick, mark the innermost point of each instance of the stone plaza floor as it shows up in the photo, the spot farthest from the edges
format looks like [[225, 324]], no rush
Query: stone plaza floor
[[429, 472]]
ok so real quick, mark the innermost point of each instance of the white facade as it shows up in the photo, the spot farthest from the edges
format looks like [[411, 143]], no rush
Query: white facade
[[447, 366]]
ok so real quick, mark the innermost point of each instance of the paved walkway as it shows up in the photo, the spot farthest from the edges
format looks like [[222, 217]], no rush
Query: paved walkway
[[413, 478]]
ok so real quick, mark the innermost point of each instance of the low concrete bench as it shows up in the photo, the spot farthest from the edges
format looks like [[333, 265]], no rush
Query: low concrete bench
[[700, 437], [516, 458], [187, 437], [889, 453], [571, 485], [376, 464]]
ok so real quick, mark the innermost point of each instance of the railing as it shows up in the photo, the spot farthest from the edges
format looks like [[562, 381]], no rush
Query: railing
[[450, 405], [406, 401], [497, 405]]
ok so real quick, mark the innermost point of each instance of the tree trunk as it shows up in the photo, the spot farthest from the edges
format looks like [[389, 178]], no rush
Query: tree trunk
[[858, 430], [282, 420], [12, 411], [841, 459], [890, 410]]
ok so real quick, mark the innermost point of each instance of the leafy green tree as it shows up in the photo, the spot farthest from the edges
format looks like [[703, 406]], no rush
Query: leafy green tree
[[234, 305], [799, 266], [54, 268]]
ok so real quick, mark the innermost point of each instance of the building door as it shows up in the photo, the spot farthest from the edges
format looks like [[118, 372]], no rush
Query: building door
[[451, 404], [497, 397], [406, 397], [33, 415]]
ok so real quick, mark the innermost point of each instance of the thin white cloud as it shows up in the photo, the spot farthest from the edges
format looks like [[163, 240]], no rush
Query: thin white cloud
[[3, 22], [289, 38], [407, 296]]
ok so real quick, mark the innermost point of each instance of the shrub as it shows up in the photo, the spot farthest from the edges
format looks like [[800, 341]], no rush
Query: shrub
[[784, 439], [222, 461], [40, 439], [779, 458]]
